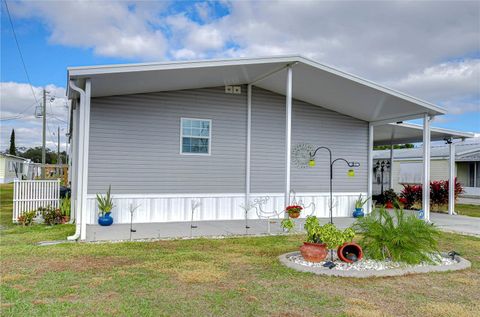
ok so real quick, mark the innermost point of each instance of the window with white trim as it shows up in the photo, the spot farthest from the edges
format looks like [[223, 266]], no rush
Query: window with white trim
[[195, 136]]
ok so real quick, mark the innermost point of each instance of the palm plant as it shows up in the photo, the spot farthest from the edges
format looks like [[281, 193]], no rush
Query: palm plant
[[397, 236], [105, 203]]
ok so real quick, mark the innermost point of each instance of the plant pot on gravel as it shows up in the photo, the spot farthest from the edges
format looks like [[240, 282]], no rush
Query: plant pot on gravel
[[314, 252], [350, 252], [321, 238]]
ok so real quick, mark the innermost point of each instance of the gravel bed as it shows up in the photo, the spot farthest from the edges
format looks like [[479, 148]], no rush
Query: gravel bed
[[367, 264], [373, 268]]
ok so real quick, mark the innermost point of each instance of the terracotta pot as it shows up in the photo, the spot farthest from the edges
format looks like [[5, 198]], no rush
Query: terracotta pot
[[350, 251], [314, 252], [389, 205], [294, 214]]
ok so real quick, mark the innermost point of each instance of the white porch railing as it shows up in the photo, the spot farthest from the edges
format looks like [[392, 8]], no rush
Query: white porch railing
[[31, 194]]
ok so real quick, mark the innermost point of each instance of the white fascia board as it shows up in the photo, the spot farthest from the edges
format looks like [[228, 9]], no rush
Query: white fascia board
[[123, 68], [452, 133]]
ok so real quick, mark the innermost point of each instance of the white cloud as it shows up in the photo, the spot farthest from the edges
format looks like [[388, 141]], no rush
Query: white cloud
[[111, 28], [412, 46], [16, 100]]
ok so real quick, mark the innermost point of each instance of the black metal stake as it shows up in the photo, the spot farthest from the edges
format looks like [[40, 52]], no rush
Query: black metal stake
[[330, 264]]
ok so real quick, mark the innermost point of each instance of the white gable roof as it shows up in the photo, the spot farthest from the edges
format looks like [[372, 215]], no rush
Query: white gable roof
[[313, 82]]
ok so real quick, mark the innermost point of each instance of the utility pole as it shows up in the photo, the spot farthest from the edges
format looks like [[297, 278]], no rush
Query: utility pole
[[44, 134], [59, 159]]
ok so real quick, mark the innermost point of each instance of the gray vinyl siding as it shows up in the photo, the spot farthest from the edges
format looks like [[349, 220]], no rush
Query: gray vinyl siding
[[135, 144], [346, 136]]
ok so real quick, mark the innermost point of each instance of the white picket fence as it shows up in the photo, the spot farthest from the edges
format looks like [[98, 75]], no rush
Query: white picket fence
[[31, 194]]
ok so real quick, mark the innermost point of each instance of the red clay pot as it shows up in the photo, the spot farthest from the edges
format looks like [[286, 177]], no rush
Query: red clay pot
[[294, 214], [349, 247], [314, 252]]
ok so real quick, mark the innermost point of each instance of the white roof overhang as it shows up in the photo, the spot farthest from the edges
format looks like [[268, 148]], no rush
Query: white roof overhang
[[313, 82], [401, 133]]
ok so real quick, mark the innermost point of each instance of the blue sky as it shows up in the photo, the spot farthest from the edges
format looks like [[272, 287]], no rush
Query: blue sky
[[430, 50]]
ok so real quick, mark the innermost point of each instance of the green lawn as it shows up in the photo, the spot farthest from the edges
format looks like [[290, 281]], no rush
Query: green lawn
[[464, 210], [229, 277]]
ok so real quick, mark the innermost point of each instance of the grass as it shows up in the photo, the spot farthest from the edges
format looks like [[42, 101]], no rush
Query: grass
[[229, 277], [461, 209]]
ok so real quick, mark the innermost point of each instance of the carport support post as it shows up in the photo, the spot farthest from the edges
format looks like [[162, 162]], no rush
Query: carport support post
[[390, 172], [451, 183], [249, 141], [426, 168], [288, 134], [370, 167]]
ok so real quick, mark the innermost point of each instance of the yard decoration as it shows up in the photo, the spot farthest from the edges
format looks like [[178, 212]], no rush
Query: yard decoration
[[301, 157], [359, 203], [321, 238], [294, 211], [350, 252], [105, 205]]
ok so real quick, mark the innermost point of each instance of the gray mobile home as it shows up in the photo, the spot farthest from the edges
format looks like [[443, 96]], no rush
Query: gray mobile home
[[223, 132]]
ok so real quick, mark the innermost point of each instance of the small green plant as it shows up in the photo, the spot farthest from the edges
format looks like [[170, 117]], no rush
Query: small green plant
[[288, 224], [360, 202], [105, 203], [328, 233], [397, 236], [65, 206], [51, 216], [26, 219]]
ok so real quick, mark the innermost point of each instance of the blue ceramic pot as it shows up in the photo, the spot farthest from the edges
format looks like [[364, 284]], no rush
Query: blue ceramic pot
[[105, 220], [358, 213]]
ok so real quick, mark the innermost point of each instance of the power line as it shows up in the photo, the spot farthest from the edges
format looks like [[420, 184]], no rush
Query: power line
[[20, 114], [20, 51]]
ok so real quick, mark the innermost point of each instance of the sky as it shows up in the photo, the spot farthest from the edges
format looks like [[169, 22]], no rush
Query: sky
[[428, 49]]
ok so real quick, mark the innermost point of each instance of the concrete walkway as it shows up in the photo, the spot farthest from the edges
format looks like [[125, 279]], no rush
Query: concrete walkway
[[165, 230]]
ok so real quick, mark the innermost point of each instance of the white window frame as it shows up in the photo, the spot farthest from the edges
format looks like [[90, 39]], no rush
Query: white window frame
[[202, 137]]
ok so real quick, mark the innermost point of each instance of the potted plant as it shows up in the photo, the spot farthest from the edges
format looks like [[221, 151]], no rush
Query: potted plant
[[389, 197], [320, 238], [359, 203], [294, 211], [105, 205]]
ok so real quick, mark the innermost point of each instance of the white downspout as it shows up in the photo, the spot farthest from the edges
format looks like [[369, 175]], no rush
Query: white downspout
[[79, 160]]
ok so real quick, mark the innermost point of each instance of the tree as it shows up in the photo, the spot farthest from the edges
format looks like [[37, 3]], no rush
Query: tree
[[12, 150], [396, 146]]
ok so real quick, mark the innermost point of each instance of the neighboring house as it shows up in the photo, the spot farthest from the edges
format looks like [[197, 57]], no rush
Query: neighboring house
[[222, 132], [13, 167], [407, 166]]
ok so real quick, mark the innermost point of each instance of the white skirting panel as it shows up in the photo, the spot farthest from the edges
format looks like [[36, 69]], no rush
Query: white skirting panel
[[177, 207]]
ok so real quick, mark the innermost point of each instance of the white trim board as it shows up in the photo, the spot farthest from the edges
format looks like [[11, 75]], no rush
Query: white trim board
[[223, 206]]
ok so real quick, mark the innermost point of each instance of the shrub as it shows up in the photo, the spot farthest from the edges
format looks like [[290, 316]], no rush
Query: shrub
[[328, 233], [410, 195], [397, 236], [51, 216], [65, 206], [26, 219]]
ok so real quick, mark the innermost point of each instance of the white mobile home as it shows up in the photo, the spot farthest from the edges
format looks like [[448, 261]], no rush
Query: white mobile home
[[13, 167], [224, 132]]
